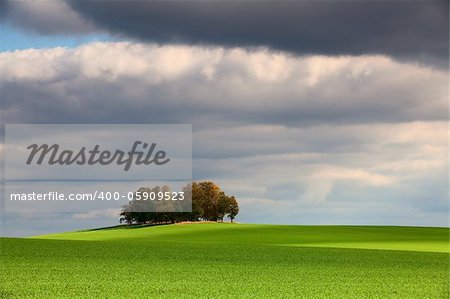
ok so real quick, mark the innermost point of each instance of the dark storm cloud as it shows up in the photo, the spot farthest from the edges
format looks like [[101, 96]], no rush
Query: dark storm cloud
[[45, 17], [3, 9], [403, 29]]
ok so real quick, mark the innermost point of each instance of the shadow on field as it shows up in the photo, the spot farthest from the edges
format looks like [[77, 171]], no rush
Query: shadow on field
[[123, 226]]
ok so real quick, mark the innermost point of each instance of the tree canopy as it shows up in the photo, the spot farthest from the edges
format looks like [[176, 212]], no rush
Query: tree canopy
[[209, 203]]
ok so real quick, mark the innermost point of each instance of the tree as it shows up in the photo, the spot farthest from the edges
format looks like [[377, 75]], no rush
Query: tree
[[233, 208], [223, 204], [212, 192], [126, 216], [209, 202]]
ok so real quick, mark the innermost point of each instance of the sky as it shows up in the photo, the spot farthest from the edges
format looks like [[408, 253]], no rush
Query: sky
[[309, 112]]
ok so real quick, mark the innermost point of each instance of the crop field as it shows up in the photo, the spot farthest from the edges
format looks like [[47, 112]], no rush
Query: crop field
[[212, 260]]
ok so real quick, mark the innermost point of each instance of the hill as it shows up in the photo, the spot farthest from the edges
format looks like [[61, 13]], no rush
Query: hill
[[230, 261]]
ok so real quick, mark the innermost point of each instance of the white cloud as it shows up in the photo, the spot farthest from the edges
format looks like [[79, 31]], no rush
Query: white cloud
[[310, 135], [97, 214], [224, 84]]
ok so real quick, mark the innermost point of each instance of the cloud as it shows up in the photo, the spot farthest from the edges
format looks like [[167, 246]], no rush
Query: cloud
[[47, 17], [298, 139], [139, 83], [416, 30], [384, 165], [97, 214], [25, 224]]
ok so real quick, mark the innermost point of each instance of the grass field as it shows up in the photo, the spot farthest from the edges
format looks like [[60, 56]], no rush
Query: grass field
[[231, 261]]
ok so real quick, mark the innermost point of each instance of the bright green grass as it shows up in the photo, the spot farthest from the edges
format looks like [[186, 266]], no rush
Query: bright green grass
[[230, 260]]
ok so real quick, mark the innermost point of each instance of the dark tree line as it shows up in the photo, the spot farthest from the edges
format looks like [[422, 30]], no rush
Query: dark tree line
[[209, 203]]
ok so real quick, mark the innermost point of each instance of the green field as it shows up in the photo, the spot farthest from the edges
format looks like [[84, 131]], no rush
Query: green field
[[230, 260]]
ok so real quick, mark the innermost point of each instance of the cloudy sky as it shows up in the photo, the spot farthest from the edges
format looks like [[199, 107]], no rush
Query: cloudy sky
[[309, 112]]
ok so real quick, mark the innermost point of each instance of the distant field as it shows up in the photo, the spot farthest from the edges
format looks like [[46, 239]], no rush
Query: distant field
[[230, 261]]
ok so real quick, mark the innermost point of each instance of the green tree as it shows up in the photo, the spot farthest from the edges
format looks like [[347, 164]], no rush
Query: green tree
[[233, 208], [209, 202], [222, 205]]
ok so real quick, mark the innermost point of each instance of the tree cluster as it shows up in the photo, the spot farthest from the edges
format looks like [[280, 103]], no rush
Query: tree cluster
[[209, 203]]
